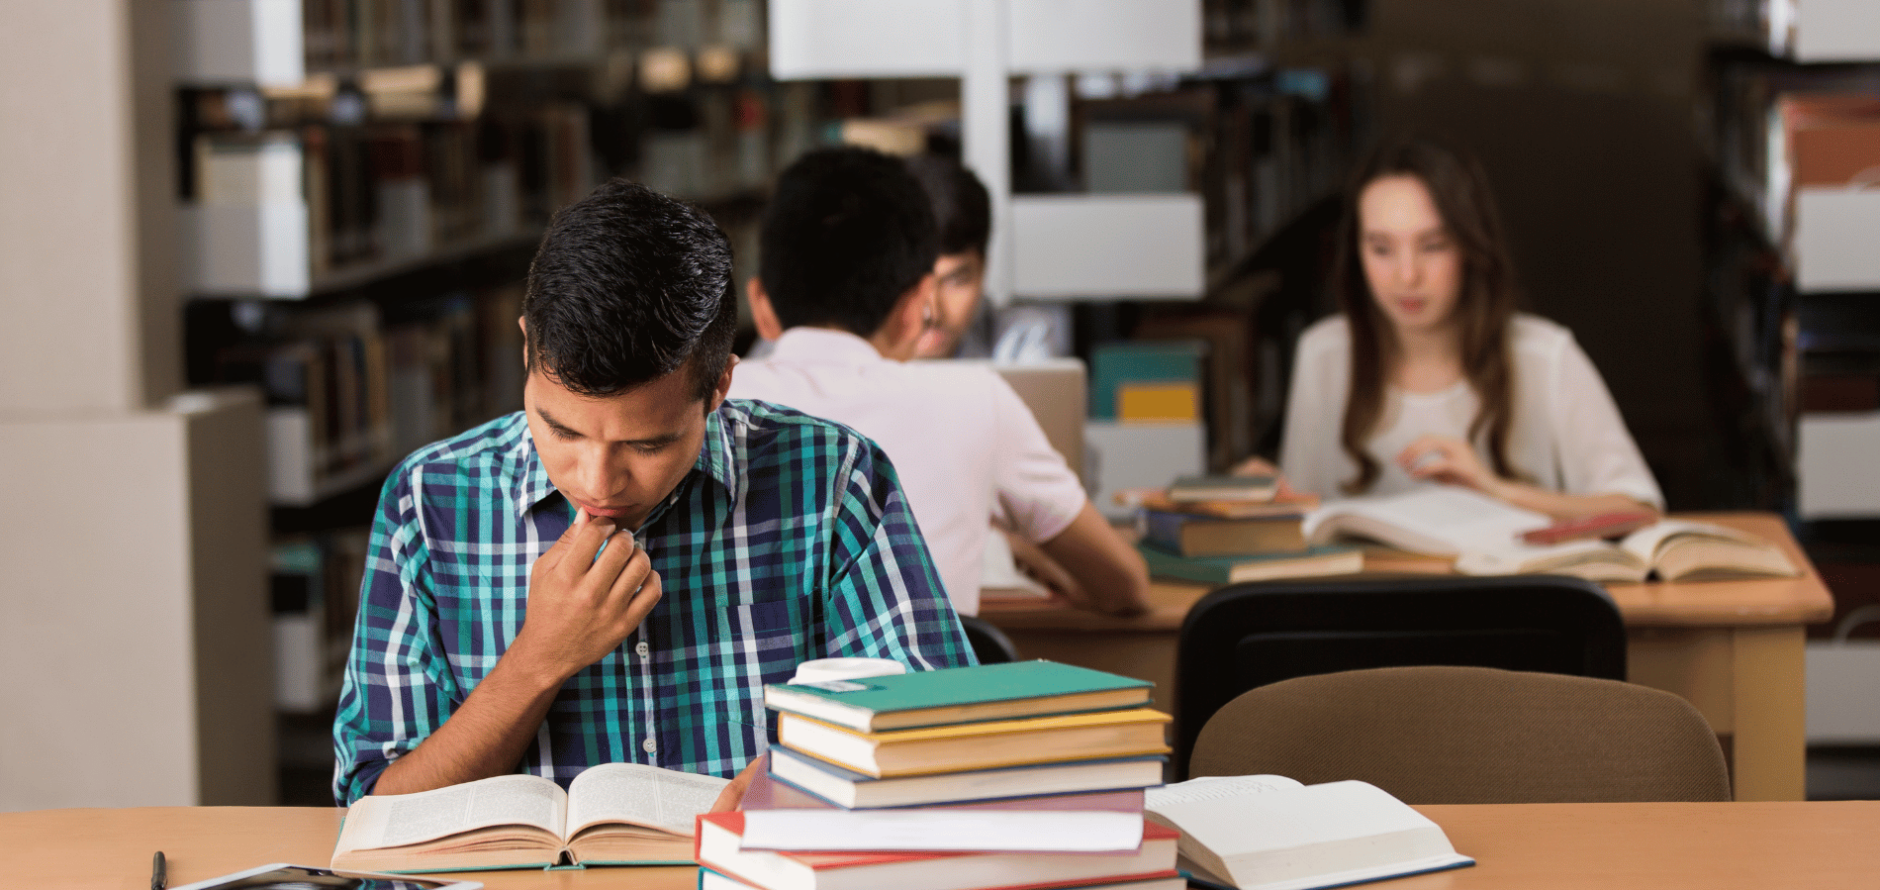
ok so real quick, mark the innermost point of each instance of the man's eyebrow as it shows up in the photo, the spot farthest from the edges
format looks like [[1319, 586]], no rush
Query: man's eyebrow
[[557, 425], [649, 442]]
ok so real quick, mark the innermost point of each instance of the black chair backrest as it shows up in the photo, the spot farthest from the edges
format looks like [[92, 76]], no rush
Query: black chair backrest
[[1249, 635], [990, 644]]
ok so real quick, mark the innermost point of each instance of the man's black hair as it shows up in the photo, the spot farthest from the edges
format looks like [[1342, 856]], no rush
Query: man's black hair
[[847, 233], [961, 206], [627, 286]]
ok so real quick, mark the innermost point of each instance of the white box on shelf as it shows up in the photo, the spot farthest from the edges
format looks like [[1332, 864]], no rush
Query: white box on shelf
[[926, 38], [819, 39], [1834, 465], [1138, 455], [1842, 706], [299, 662], [238, 42], [1836, 30], [1833, 245], [1108, 246], [292, 457], [247, 250], [1051, 36]]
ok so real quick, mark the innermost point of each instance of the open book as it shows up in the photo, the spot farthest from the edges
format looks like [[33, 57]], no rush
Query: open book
[[1484, 537], [1272, 833], [611, 814]]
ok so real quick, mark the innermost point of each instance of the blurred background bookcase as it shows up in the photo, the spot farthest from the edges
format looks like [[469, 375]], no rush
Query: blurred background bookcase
[[1792, 135], [362, 185]]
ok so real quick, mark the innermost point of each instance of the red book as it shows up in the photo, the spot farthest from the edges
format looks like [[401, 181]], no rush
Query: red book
[[721, 834]]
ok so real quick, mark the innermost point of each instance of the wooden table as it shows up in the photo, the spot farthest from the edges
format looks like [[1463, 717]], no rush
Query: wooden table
[[1732, 648], [1661, 846]]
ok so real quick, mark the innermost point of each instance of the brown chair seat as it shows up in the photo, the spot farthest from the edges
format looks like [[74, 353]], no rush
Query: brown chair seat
[[1458, 735]]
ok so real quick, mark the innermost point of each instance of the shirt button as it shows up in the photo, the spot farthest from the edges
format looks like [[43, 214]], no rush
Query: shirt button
[[641, 648], [649, 746]]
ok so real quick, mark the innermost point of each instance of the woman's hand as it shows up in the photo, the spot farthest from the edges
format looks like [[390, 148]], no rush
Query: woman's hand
[[1260, 466], [1255, 466], [1450, 461]]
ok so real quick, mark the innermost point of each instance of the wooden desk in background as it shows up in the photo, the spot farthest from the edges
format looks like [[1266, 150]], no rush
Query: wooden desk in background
[[1660, 846], [1732, 648]]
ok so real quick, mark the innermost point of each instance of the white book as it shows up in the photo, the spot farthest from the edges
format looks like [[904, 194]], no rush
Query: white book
[[1272, 833], [1484, 536]]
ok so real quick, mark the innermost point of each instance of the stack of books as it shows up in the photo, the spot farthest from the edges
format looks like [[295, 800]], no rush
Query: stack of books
[[1029, 774], [1228, 529]]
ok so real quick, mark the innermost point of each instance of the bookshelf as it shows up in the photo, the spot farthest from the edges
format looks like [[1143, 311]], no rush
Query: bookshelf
[[1796, 289], [1796, 144], [360, 188], [1173, 149]]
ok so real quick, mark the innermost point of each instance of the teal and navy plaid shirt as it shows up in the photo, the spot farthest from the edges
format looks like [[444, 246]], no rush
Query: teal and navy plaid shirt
[[788, 540]]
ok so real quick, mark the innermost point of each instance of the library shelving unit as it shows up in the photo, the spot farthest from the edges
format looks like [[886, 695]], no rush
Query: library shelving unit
[[1795, 293], [1180, 149], [362, 185]]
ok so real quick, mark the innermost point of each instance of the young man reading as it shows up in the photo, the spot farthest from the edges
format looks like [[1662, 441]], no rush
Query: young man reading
[[845, 286], [614, 573]]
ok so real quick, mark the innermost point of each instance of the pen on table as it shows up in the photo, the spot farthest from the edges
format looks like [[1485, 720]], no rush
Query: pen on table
[[158, 877]]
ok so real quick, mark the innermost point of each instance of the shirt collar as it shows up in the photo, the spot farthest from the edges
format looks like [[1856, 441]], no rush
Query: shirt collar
[[824, 346], [715, 461]]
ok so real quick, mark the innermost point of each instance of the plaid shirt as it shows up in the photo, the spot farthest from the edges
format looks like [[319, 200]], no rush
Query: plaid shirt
[[788, 540]]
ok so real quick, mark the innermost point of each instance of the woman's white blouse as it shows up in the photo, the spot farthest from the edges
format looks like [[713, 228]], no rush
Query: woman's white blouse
[[1567, 435]]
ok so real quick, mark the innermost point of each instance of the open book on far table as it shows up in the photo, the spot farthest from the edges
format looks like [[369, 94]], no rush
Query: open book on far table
[[1484, 536], [1272, 833], [611, 814]]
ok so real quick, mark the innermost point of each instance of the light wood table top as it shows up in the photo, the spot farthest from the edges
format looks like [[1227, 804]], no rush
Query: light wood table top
[[1662, 846], [1734, 603]]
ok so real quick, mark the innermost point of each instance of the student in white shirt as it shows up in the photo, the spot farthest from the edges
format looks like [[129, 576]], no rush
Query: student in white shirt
[[846, 287], [1429, 374]]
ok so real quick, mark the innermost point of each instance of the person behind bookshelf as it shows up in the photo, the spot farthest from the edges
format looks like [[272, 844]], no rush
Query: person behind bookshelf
[[1428, 374], [845, 287], [613, 573]]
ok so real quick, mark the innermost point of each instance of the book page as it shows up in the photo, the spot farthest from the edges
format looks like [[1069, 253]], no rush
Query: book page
[[1441, 519], [1297, 833], [1214, 788], [395, 820], [641, 795], [1059, 831], [1648, 541]]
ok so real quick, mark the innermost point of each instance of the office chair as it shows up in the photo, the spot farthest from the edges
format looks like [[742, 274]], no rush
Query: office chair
[[1439, 735], [990, 644], [1249, 635]]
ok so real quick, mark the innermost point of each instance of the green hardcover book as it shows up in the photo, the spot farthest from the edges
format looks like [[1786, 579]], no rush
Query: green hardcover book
[[959, 695], [1255, 567]]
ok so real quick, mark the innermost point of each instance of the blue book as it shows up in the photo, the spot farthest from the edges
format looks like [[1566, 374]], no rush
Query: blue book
[[1314, 562]]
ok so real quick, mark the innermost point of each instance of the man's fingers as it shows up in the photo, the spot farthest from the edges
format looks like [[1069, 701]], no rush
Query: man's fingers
[[613, 558], [553, 556], [733, 794], [579, 556]]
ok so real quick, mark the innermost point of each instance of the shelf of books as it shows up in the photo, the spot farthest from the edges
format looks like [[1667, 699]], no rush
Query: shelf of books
[[1796, 144], [361, 186]]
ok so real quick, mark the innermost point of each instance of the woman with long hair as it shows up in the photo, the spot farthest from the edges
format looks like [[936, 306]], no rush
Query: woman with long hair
[[1428, 374]]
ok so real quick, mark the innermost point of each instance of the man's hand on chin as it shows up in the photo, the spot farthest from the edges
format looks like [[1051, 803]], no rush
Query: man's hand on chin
[[732, 796]]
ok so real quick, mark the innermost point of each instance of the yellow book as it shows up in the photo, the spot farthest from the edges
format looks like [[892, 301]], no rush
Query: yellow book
[[973, 746], [1160, 402]]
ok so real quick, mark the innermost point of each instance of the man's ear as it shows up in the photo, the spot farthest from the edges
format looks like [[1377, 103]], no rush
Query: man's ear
[[899, 336], [763, 315], [723, 387], [523, 323]]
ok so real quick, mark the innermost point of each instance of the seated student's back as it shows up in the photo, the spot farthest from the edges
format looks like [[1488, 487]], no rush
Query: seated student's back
[[846, 291]]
